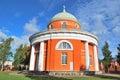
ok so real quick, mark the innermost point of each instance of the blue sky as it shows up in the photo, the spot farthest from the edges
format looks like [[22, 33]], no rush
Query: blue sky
[[21, 18]]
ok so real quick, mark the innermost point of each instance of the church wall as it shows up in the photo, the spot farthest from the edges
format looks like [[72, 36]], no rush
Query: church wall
[[69, 24], [77, 56], [83, 65]]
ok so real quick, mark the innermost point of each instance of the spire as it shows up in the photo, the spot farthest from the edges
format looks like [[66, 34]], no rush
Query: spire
[[64, 8]]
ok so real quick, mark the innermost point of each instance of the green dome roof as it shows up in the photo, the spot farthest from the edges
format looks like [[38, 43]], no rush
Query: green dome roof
[[63, 16]]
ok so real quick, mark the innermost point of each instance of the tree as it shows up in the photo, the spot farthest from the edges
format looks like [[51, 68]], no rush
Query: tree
[[118, 56], [26, 55], [107, 56], [22, 55], [5, 52], [18, 57]]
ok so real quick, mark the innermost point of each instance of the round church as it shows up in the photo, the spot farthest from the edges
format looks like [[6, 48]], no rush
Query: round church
[[64, 46]]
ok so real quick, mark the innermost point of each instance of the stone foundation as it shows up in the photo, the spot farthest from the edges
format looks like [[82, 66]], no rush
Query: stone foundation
[[64, 73]]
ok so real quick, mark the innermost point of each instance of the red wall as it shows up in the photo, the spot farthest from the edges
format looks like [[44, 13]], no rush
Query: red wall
[[52, 57]]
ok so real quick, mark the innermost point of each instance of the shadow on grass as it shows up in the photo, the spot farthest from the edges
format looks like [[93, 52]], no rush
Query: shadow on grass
[[107, 77], [47, 78]]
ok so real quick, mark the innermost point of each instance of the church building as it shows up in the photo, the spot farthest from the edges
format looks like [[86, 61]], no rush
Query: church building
[[64, 46]]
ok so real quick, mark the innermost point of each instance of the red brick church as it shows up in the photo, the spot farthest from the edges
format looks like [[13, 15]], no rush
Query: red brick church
[[64, 46]]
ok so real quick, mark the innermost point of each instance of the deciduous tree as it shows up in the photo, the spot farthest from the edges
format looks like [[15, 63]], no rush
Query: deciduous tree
[[22, 55], [5, 52]]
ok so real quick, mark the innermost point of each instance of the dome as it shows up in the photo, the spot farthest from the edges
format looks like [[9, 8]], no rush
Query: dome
[[63, 15]]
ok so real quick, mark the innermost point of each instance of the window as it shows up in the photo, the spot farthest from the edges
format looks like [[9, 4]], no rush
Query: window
[[64, 58], [50, 26], [76, 26], [64, 45], [90, 60], [64, 25]]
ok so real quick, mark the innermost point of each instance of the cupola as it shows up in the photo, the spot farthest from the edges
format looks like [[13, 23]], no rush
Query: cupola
[[64, 20]]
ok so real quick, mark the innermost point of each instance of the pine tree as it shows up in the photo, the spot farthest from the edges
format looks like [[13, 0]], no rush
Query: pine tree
[[118, 56], [107, 56]]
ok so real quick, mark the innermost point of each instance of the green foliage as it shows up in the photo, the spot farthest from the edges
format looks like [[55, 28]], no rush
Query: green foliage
[[22, 55], [118, 56], [107, 56], [5, 52], [18, 56]]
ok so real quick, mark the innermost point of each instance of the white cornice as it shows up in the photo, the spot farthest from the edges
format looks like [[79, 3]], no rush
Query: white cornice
[[63, 34]]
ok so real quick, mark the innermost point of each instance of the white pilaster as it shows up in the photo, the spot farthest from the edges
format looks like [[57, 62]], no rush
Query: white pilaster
[[96, 58], [32, 59], [41, 56], [87, 56]]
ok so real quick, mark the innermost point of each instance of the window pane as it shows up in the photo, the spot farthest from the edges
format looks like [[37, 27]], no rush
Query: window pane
[[64, 25], [90, 60], [64, 45], [64, 58]]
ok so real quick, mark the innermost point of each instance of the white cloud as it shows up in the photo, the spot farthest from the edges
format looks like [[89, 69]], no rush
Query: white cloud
[[19, 40], [98, 27], [31, 26], [3, 35], [116, 30], [101, 17]]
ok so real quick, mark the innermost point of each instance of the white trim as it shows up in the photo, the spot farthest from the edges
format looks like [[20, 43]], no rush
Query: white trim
[[41, 56], [96, 58], [87, 56], [32, 58], [84, 36], [39, 65], [57, 45]]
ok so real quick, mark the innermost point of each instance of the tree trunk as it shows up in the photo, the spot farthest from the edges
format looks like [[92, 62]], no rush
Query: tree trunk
[[108, 70], [2, 66]]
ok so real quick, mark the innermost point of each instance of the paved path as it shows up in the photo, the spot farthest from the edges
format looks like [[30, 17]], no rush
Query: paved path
[[109, 75]]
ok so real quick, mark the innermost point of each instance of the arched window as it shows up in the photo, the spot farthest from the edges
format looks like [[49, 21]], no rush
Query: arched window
[[64, 25], [50, 26], [76, 25], [64, 45]]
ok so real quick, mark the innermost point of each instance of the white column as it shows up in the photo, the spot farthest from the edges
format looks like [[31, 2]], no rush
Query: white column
[[96, 58], [41, 57], [87, 56], [32, 59]]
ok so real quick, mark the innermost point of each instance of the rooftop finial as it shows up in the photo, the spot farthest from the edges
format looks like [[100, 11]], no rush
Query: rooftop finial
[[64, 8]]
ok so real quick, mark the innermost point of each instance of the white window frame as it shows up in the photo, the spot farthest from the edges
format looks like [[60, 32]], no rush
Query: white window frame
[[65, 25], [64, 57], [58, 44], [50, 26]]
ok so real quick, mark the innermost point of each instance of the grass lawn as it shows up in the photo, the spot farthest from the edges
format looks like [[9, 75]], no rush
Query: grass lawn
[[6, 76]]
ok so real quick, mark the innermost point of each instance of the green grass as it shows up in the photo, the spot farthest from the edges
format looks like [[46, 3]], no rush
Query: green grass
[[6, 76]]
